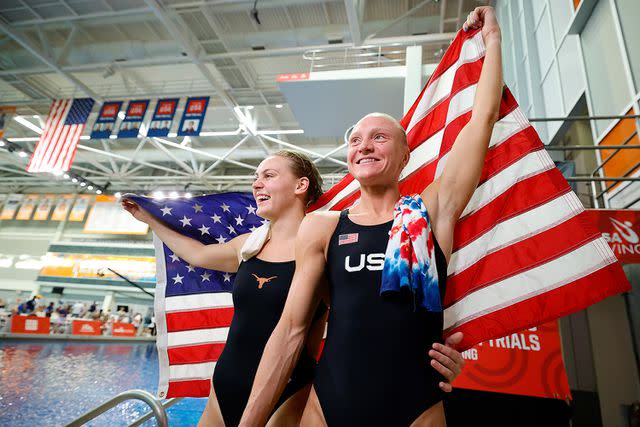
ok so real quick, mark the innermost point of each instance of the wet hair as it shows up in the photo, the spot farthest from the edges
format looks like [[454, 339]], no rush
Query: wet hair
[[393, 121], [302, 166]]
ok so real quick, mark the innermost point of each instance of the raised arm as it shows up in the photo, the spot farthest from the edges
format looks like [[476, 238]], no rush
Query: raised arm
[[287, 340], [222, 256], [465, 160]]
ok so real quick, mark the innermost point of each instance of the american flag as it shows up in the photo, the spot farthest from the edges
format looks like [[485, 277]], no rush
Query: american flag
[[193, 306], [58, 142], [345, 239], [524, 251]]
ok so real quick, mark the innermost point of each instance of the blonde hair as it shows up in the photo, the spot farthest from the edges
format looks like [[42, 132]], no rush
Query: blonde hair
[[302, 166]]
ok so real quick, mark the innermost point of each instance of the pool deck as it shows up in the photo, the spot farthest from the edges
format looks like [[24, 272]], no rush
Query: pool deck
[[69, 337]]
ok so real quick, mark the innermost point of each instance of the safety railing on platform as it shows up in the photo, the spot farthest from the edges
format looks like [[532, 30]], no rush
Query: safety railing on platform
[[611, 181], [355, 57], [157, 408]]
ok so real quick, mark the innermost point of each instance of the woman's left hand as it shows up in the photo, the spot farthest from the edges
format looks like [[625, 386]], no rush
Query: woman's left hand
[[447, 360]]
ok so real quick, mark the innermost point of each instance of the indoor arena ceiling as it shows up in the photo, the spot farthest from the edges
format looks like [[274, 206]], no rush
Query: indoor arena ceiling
[[149, 49]]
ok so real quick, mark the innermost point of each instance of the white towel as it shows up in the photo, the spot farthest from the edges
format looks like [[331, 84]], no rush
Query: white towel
[[254, 243]]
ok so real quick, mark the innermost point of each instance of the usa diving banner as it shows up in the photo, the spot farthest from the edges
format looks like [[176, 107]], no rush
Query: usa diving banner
[[163, 117], [130, 125], [104, 125], [193, 116]]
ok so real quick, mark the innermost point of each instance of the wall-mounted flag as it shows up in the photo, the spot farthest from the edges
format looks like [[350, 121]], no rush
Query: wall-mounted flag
[[58, 142], [193, 116], [104, 125], [130, 125], [163, 117], [11, 206], [6, 113]]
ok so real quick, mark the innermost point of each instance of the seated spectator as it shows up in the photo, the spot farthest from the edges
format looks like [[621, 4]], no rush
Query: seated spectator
[[78, 309], [49, 309]]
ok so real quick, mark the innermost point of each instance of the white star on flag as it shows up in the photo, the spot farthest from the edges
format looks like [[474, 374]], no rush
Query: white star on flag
[[190, 268], [225, 207], [239, 220], [251, 209], [166, 210], [203, 230], [253, 228], [205, 277], [227, 277], [216, 218], [185, 221], [174, 258], [221, 239], [197, 208], [178, 279], [265, 222], [231, 229]]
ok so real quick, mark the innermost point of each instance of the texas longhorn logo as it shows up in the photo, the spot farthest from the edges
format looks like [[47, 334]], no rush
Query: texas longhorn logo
[[263, 280]]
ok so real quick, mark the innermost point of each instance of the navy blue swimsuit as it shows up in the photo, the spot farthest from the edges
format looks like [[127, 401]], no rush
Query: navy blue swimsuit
[[375, 369], [259, 293]]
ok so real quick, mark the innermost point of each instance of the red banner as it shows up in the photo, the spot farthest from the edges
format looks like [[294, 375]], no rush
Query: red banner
[[86, 327], [29, 325], [528, 363], [621, 228], [123, 330]]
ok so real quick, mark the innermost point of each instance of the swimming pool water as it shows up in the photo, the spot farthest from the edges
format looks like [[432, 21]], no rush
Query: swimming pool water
[[50, 383]]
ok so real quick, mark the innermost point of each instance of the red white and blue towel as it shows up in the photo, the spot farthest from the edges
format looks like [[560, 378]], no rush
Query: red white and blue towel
[[410, 259]]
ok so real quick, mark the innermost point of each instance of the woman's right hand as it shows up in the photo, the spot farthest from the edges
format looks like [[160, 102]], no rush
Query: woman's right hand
[[134, 209]]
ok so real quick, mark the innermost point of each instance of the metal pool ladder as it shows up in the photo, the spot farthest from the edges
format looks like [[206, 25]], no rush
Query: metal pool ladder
[[157, 408]]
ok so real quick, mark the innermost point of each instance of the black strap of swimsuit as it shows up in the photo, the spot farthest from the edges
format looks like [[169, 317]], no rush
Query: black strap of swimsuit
[[344, 213]]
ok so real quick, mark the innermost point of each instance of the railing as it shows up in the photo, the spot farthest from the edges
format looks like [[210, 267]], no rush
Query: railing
[[625, 177], [157, 408], [355, 57]]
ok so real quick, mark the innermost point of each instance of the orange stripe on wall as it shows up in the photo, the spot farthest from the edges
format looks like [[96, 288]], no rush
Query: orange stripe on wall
[[624, 159]]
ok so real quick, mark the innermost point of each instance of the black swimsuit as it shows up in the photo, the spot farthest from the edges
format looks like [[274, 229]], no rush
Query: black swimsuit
[[375, 369], [259, 293]]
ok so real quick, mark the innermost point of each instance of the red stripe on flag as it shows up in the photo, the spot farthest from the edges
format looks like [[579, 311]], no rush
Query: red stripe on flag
[[199, 319], [54, 138], [520, 257], [195, 353], [519, 198], [190, 388], [542, 308], [56, 108], [449, 59]]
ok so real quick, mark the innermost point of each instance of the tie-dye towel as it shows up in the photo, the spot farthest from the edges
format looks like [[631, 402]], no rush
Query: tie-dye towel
[[410, 260]]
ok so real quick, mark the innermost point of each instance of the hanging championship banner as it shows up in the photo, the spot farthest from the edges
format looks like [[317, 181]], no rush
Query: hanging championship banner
[[80, 208], [193, 116], [163, 117], [106, 121], [11, 206], [108, 217], [621, 229], [528, 363], [130, 125], [44, 207], [29, 204], [62, 208], [6, 114]]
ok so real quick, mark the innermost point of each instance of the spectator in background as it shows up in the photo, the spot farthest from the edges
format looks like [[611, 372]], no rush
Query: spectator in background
[[50, 308], [137, 320], [3, 303], [92, 308], [78, 309]]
